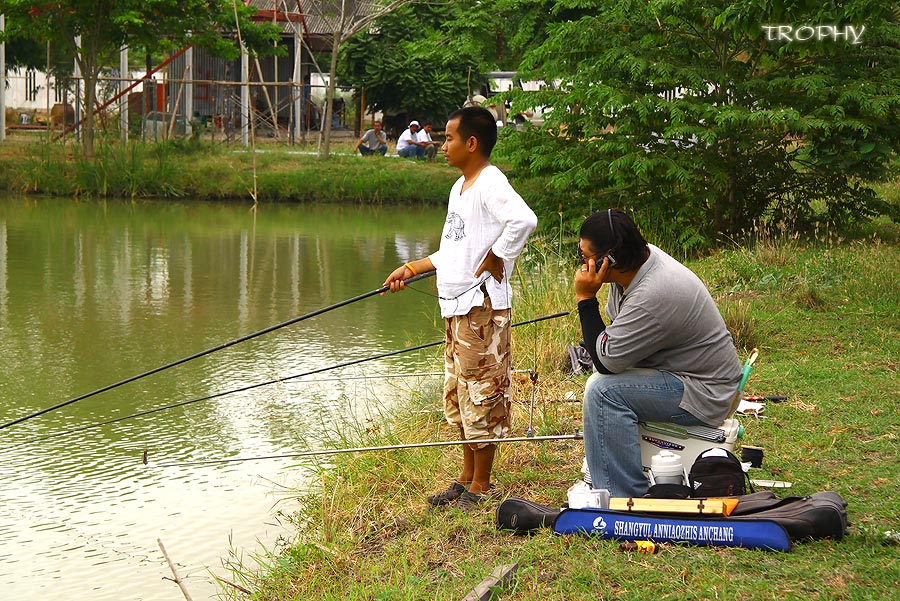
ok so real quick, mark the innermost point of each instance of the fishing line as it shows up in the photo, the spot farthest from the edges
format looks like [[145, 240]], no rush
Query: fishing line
[[457, 297], [219, 347], [259, 385], [576, 436], [412, 374]]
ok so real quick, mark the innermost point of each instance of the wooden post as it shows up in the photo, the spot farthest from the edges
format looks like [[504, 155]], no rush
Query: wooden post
[[187, 69], [500, 577]]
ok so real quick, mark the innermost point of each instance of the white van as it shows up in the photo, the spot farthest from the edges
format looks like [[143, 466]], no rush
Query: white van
[[504, 81]]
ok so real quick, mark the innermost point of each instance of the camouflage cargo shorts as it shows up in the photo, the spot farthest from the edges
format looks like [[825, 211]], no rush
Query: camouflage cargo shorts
[[477, 372]]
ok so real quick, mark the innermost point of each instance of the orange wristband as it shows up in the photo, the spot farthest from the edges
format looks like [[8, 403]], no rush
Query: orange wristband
[[410, 267]]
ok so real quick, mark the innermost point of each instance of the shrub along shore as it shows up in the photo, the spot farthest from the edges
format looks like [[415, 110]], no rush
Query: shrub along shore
[[824, 312], [186, 169]]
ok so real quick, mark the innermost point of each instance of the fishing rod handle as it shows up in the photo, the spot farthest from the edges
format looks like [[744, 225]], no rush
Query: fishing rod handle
[[416, 278]]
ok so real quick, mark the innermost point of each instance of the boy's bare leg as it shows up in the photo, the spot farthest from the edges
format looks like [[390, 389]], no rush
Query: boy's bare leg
[[484, 461], [468, 471], [477, 465]]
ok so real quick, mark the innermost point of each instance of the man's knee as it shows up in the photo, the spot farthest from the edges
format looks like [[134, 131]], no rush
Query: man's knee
[[597, 386]]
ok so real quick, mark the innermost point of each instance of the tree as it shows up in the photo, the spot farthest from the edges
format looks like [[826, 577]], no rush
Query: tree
[[424, 58], [344, 18], [105, 26], [687, 111], [403, 64]]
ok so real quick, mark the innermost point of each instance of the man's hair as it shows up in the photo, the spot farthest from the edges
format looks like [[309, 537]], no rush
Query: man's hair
[[479, 122], [378, 121], [612, 231]]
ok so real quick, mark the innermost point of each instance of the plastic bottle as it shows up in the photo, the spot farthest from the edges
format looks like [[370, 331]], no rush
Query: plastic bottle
[[667, 468]]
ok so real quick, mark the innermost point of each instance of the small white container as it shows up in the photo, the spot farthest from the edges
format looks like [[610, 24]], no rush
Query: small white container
[[582, 496], [667, 468]]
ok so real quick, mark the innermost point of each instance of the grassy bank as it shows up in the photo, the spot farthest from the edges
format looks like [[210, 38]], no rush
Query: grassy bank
[[826, 316], [207, 171]]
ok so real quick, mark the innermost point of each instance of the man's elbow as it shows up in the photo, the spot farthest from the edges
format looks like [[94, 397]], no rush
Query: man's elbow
[[603, 369]]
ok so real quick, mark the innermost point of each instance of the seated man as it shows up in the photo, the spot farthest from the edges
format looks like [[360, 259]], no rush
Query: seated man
[[425, 141], [408, 143], [665, 357], [372, 141]]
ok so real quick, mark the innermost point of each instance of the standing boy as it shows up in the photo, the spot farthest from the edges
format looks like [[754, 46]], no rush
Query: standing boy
[[486, 229]]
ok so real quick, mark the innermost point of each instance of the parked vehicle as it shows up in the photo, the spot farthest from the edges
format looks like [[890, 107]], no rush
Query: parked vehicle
[[497, 82]]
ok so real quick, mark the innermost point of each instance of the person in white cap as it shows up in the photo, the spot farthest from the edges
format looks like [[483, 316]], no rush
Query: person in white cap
[[408, 145]]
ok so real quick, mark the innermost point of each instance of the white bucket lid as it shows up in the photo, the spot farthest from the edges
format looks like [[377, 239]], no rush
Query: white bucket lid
[[666, 462]]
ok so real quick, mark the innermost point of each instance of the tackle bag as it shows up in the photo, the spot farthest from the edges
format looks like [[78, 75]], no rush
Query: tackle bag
[[523, 516], [717, 473], [815, 516]]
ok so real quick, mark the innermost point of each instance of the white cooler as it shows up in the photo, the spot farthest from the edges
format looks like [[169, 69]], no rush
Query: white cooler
[[685, 441]]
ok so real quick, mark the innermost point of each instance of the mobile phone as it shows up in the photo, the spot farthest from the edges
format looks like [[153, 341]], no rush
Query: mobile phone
[[612, 259]]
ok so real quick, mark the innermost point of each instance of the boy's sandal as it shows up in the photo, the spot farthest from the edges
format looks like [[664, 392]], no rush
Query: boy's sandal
[[452, 493], [469, 501]]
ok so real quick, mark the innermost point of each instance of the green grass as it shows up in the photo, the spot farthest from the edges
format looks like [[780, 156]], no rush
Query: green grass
[[826, 317]]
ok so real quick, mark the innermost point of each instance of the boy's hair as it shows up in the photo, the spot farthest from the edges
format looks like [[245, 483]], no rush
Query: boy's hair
[[479, 122], [612, 231]]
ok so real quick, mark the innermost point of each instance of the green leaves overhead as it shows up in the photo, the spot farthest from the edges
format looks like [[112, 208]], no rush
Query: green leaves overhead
[[425, 58], [685, 109]]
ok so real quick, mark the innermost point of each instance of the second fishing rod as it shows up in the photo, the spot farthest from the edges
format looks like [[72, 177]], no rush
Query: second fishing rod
[[260, 385], [211, 350]]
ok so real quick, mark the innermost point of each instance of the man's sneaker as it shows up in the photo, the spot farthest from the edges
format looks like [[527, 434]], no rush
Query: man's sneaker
[[455, 491], [469, 501]]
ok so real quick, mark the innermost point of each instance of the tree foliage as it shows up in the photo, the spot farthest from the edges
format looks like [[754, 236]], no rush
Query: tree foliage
[[684, 110], [425, 58], [403, 66], [343, 19]]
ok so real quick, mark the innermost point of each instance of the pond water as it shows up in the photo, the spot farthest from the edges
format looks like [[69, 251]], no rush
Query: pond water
[[93, 293]]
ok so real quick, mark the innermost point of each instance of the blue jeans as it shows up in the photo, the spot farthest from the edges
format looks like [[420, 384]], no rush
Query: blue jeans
[[413, 151], [613, 406], [366, 151]]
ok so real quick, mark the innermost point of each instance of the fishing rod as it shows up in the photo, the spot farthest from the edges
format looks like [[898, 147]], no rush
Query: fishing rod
[[219, 347], [418, 445], [261, 384]]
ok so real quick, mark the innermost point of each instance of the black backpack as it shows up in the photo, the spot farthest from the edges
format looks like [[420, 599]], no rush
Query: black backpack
[[717, 473]]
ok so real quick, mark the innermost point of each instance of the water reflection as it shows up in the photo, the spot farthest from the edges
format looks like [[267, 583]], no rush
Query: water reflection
[[93, 293]]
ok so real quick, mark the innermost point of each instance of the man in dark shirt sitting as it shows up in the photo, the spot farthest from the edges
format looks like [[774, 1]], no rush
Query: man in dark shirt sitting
[[666, 356]]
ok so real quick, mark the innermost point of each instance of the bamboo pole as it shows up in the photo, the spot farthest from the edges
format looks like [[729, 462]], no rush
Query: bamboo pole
[[268, 100], [176, 103], [178, 579]]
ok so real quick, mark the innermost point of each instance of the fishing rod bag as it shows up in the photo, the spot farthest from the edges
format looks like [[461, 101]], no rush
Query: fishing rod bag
[[819, 515], [760, 521], [523, 516]]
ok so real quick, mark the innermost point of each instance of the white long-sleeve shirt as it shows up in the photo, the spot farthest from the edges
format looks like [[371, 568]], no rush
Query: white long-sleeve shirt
[[489, 215]]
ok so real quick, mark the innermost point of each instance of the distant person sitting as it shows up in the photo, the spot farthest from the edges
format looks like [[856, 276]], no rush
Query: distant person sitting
[[425, 142], [408, 145], [374, 140]]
